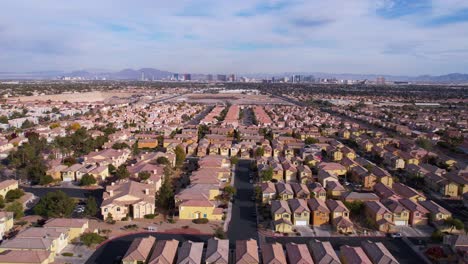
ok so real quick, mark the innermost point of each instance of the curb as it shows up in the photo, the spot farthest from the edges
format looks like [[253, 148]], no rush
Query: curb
[[149, 233]]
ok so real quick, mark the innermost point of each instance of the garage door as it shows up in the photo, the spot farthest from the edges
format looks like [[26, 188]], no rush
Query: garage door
[[400, 223], [301, 223]]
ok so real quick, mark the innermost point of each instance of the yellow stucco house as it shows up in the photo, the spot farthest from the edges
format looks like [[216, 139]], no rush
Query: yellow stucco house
[[75, 227], [8, 185], [6, 223]]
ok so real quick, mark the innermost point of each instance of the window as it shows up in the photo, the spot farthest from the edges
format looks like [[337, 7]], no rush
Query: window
[[105, 209], [118, 209], [204, 215]]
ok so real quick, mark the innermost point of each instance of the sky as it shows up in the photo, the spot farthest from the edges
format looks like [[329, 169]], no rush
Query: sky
[[398, 37]]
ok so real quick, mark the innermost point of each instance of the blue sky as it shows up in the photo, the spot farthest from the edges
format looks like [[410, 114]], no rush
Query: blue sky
[[408, 37]]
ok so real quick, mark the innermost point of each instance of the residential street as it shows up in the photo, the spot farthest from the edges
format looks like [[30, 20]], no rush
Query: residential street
[[114, 250], [243, 220]]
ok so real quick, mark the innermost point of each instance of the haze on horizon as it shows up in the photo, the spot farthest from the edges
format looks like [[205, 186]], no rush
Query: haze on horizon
[[400, 37]]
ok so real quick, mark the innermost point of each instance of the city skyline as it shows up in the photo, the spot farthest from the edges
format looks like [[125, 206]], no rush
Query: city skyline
[[366, 37]]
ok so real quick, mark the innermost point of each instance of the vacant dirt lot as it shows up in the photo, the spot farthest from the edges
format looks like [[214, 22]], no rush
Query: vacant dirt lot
[[75, 97]]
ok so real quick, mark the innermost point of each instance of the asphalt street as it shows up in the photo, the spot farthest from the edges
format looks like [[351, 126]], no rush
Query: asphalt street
[[243, 223], [114, 250]]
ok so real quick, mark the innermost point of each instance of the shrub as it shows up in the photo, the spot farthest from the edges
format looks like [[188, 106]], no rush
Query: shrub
[[14, 194], [67, 254], [171, 221], [200, 221], [219, 233], [150, 216], [89, 239]]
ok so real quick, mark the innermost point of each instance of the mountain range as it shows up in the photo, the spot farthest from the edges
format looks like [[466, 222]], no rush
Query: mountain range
[[151, 73]]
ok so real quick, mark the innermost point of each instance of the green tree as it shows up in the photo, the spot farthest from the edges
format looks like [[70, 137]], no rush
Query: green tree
[[260, 151], [180, 155], [424, 143], [45, 179], [2, 202], [267, 175], [234, 160], [163, 161], [112, 169], [355, 207], [144, 175], [311, 140], [165, 194], [122, 172], [27, 124], [16, 208], [454, 223], [3, 119], [91, 208], [120, 145], [55, 204], [87, 180], [13, 195]]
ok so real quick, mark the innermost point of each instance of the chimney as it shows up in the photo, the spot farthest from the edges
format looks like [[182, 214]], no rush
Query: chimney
[[111, 193], [147, 191]]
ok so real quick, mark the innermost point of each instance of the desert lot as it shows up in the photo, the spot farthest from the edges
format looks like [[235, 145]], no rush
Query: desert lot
[[233, 98], [95, 96]]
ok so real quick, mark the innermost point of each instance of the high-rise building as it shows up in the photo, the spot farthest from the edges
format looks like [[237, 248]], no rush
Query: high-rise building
[[209, 77], [221, 77], [380, 80], [232, 78], [187, 77], [175, 77], [296, 78]]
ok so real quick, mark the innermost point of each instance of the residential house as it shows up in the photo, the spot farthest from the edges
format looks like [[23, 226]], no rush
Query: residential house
[[323, 252], [408, 192], [437, 214], [247, 252], [304, 174], [319, 212], [281, 215], [317, 191], [378, 253], [339, 215], [284, 191], [273, 254], [400, 215], [190, 253], [24, 256], [76, 227], [217, 251], [380, 216], [418, 214], [139, 250], [335, 189], [6, 223], [268, 191], [128, 198], [300, 191], [300, 212], [353, 255], [298, 254], [7, 185], [164, 252]]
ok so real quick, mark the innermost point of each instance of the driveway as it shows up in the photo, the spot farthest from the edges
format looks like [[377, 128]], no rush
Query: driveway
[[243, 223], [402, 251], [305, 231], [408, 231]]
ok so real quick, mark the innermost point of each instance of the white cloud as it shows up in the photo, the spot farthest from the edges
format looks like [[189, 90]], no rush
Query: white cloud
[[314, 35]]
